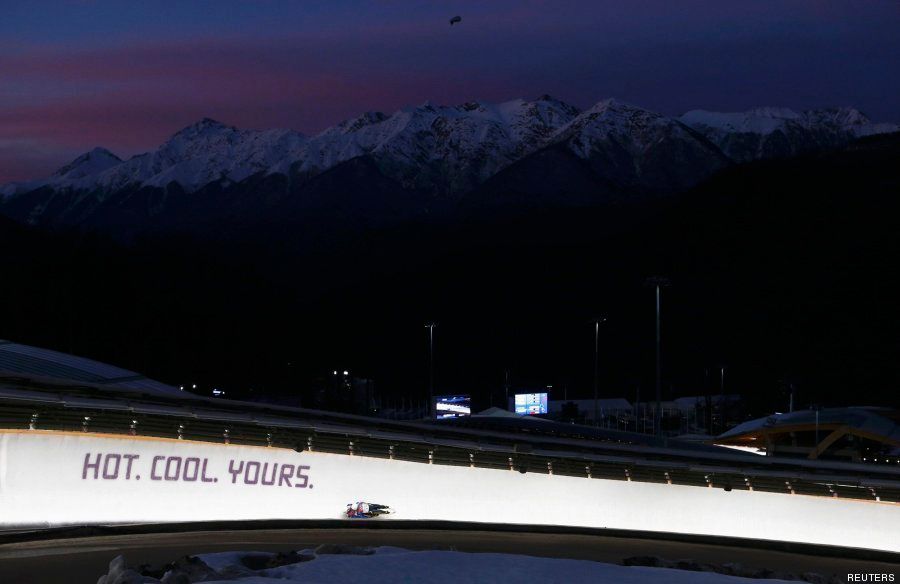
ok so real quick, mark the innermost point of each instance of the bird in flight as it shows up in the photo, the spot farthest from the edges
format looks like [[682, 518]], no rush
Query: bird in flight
[[455, 20]]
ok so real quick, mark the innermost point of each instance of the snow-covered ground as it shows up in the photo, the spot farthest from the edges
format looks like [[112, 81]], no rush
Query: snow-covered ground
[[390, 565]]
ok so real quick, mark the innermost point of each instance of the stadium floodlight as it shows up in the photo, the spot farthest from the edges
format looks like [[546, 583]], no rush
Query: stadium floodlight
[[597, 321], [658, 282], [430, 326]]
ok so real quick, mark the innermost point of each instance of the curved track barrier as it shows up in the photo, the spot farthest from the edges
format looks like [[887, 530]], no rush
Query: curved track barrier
[[50, 478]]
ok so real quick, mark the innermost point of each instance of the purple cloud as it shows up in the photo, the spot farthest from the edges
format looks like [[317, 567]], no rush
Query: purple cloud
[[99, 73]]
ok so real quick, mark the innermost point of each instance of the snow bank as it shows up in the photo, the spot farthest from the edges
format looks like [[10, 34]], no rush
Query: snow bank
[[395, 565], [388, 565]]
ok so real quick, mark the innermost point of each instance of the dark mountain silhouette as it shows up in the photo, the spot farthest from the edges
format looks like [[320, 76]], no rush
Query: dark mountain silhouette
[[783, 270]]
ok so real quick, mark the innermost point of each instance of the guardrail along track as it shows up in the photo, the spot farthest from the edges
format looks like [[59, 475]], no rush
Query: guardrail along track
[[434, 444]]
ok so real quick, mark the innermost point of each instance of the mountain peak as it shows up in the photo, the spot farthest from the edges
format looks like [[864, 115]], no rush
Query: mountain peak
[[547, 98], [760, 120], [765, 120], [203, 126], [845, 116], [209, 122], [624, 123], [778, 113], [615, 104], [775, 132], [96, 160], [612, 114], [101, 151], [361, 121]]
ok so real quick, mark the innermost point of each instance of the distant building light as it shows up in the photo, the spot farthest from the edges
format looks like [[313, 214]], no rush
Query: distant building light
[[335, 371], [346, 372]]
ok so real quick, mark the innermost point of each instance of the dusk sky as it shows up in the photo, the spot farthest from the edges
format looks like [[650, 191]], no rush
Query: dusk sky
[[126, 75]]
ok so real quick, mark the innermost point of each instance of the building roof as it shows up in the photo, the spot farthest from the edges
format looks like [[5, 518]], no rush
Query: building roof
[[693, 401], [874, 423], [28, 361], [496, 413], [616, 403]]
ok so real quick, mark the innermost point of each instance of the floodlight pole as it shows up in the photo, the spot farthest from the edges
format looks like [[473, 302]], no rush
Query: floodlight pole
[[597, 321], [658, 369], [506, 387], [658, 282], [430, 326], [816, 407], [722, 398]]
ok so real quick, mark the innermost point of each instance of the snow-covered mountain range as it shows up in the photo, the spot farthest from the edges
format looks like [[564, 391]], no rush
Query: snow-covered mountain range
[[780, 132], [443, 151], [446, 146]]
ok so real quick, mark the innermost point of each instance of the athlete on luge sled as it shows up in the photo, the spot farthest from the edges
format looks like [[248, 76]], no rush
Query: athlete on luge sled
[[361, 510]]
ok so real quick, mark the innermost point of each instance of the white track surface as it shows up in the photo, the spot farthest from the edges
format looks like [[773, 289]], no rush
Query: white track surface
[[42, 484]]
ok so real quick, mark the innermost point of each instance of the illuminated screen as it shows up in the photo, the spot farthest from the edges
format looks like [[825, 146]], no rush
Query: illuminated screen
[[453, 406], [530, 404]]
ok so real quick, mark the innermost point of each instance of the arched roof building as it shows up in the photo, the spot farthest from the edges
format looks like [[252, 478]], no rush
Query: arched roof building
[[858, 434]]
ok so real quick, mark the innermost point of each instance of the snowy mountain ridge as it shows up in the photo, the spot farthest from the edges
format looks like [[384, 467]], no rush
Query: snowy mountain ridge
[[776, 132], [474, 139], [613, 118], [458, 147]]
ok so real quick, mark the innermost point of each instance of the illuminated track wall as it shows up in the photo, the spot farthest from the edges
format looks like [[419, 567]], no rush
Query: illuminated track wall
[[50, 478]]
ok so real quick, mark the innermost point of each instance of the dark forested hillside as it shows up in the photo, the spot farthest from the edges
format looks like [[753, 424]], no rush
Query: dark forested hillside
[[783, 271]]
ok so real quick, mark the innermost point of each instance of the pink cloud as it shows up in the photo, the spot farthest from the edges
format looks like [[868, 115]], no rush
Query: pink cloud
[[132, 98]]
